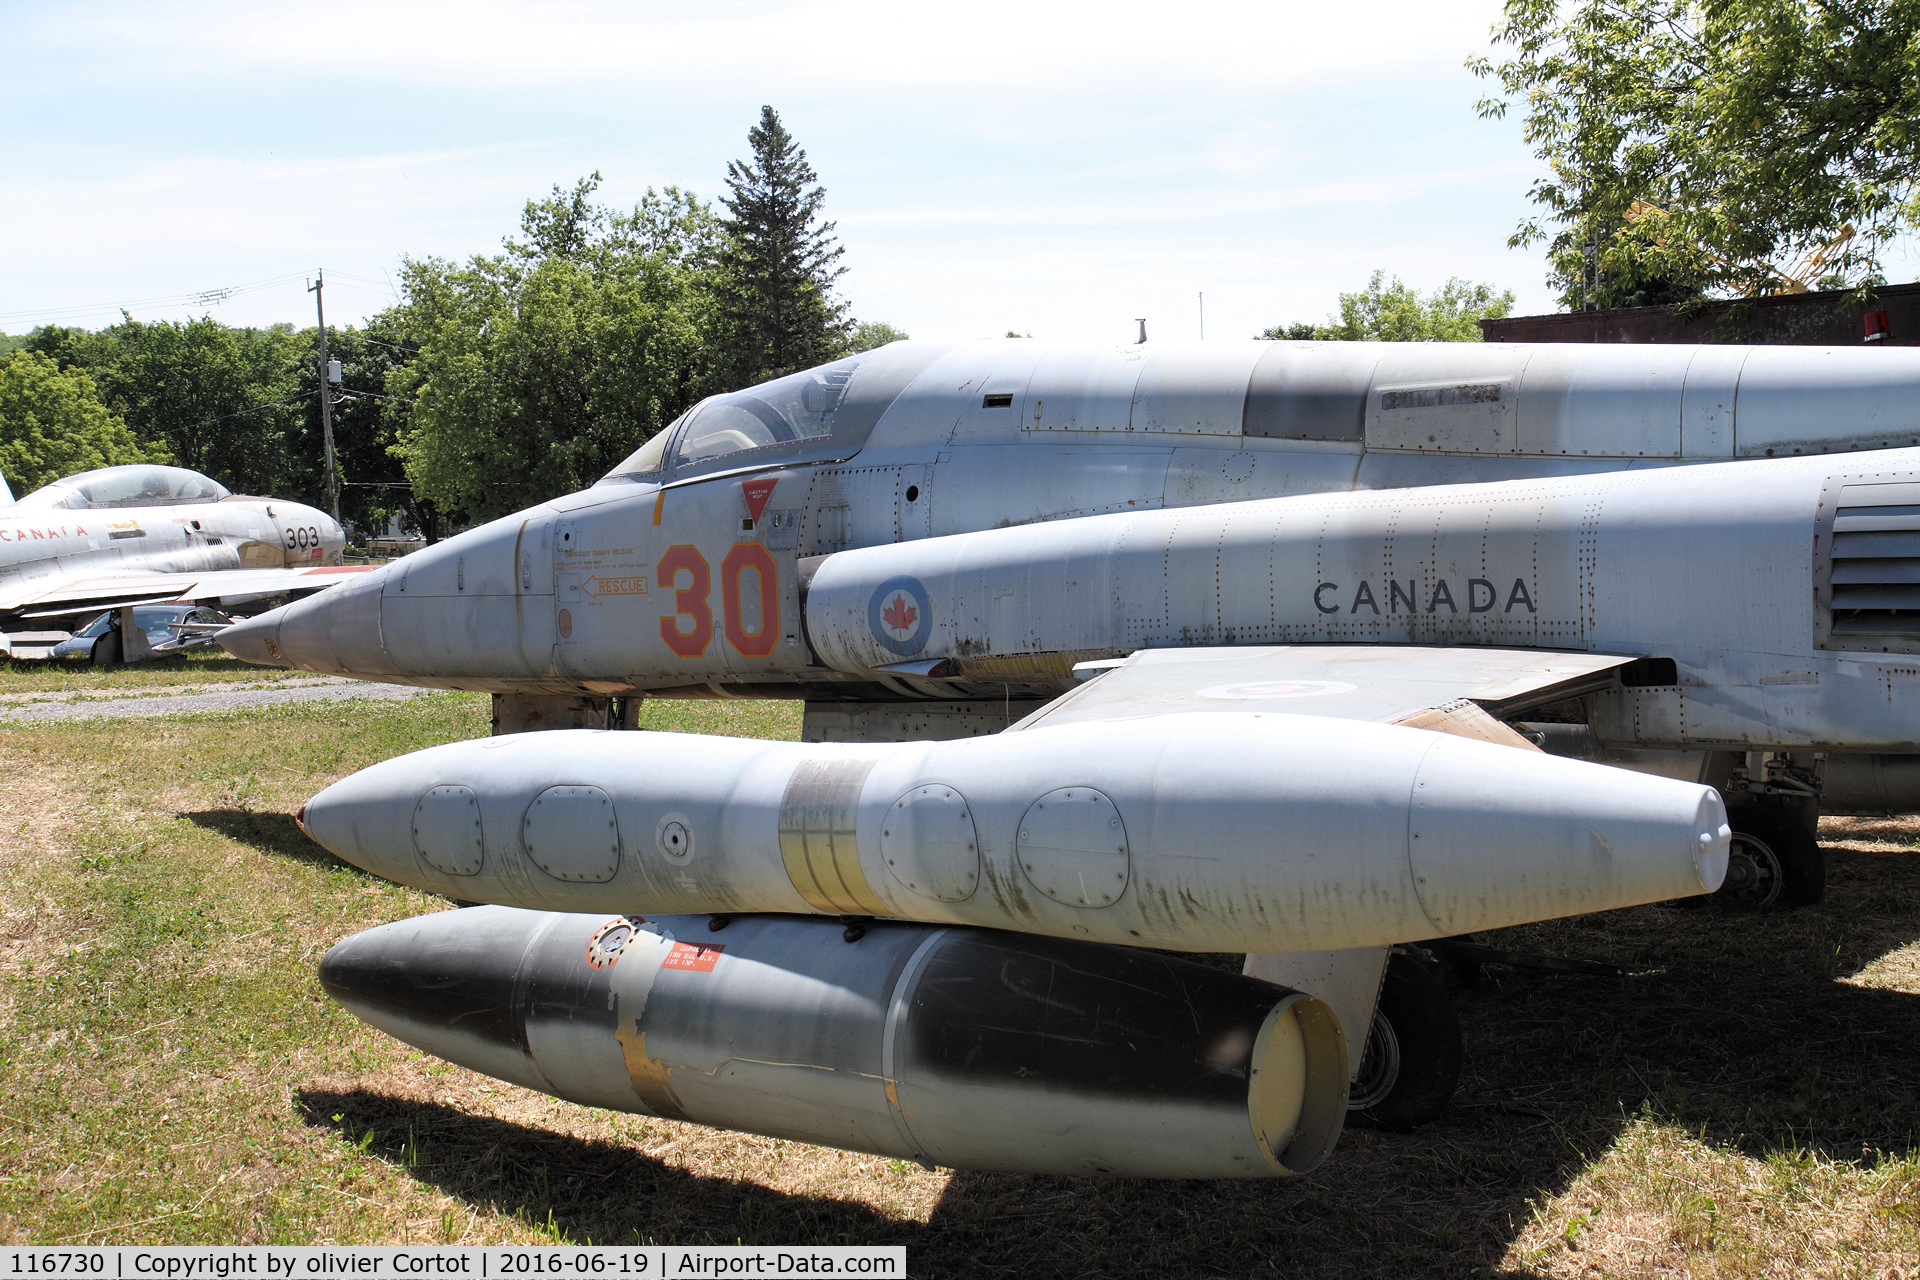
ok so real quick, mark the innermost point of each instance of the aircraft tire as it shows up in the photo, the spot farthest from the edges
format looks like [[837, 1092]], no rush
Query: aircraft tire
[[106, 650], [1412, 1060], [1775, 864]]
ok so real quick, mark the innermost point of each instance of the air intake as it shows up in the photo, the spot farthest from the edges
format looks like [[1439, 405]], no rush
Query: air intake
[[1874, 562]]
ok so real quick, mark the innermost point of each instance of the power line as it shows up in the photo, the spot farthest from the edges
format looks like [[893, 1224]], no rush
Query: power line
[[198, 298], [202, 297], [271, 404], [348, 275]]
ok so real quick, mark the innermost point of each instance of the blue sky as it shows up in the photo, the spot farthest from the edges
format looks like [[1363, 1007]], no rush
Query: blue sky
[[1051, 168]]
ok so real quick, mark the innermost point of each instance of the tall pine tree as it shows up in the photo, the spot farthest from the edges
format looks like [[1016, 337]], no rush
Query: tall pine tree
[[777, 263]]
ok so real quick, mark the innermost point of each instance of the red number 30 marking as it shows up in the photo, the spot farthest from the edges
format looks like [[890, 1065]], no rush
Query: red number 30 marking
[[690, 601], [754, 556]]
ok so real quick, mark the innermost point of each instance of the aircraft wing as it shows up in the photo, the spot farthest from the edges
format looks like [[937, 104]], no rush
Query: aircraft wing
[[60, 594], [1460, 690]]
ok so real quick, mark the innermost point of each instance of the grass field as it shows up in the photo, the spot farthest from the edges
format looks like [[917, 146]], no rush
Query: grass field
[[187, 671], [1745, 1105]]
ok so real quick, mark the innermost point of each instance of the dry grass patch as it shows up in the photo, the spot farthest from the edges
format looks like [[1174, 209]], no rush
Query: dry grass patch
[[1663, 1202]]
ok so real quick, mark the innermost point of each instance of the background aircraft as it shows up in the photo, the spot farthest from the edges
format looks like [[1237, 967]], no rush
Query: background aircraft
[[142, 534], [1256, 551]]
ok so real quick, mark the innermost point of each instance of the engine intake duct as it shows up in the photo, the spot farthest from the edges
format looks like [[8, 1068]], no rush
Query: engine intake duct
[[967, 1048]]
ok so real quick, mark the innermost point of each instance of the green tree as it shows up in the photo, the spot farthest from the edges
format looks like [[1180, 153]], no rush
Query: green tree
[[869, 334], [223, 401], [1398, 313], [53, 424], [70, 348], [536, 370], [777, 263], [1722, 145]]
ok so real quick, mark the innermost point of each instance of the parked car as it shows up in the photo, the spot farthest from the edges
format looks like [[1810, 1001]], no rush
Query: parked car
[[168, 627]]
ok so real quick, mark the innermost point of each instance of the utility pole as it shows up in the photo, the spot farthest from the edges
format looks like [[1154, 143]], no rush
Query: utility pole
[[326, 396], [1203, 316]]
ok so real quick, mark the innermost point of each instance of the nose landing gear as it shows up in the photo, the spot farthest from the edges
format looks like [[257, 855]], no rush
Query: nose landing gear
[[1775, 862]]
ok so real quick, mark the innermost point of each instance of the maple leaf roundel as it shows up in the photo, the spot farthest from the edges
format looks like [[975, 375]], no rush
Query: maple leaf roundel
[[899, 617]]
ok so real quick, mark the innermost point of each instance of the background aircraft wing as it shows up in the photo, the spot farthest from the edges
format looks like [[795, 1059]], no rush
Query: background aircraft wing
[[51, 597], [1461, 690]]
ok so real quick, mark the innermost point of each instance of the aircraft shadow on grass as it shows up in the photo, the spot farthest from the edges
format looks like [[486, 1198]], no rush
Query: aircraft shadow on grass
[[1737, 1029], [266, 832]]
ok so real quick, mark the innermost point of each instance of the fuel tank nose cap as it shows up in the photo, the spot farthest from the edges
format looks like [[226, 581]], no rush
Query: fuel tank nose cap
[[1714, 842], [420, 980]]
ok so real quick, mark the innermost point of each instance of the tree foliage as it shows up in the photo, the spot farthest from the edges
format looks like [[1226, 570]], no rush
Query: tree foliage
[[218, 399], [777, 263], [53, 424], [869, 334], [222, 400], [1750, 132], [507, 379], [541, 367], [1397, 312]]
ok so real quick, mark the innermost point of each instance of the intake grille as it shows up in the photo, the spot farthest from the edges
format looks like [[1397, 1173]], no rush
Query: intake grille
[[1876, 562]]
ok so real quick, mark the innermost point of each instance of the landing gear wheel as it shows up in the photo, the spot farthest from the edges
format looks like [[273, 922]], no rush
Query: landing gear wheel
[[106, 650], [1412, 1060], [1774, 864]]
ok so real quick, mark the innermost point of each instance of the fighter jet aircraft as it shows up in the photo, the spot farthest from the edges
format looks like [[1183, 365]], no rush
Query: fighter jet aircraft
[[128, 535], [1284, 628]]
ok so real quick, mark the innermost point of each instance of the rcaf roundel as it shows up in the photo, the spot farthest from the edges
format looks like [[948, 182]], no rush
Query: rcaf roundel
[[898, 616]]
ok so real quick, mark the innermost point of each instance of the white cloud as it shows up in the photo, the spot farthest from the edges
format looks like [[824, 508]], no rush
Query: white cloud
[[1028, 45], [1038, 166]]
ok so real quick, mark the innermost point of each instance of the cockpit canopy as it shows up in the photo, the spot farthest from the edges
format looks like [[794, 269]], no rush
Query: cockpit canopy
[[138, 485], [781, 415], [817, 415]]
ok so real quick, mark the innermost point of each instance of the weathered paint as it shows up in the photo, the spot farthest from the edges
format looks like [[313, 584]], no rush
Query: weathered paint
[[1013, 433], [953, 1047], [1719, 568], [1245, 829]]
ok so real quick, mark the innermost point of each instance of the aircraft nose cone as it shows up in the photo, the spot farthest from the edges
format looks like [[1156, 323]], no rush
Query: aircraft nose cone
[[255, 639], [336, 631]]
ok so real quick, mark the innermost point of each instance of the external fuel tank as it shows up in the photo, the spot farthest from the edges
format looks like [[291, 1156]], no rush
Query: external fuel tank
[[957, 1047]]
